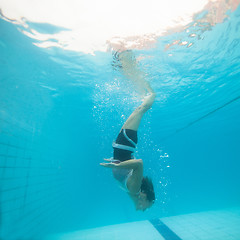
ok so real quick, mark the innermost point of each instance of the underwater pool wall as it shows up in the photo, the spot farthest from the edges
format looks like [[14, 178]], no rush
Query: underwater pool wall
[[32, 175], [31, 184]]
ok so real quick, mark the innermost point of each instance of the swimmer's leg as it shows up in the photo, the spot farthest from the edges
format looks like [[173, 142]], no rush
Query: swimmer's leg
[[135, 118]]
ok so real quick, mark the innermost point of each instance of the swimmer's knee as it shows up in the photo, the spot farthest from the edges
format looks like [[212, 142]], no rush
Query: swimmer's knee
[[148, 102]]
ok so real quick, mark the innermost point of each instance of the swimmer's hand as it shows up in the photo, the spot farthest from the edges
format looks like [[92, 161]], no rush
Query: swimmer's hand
[[110, 164]]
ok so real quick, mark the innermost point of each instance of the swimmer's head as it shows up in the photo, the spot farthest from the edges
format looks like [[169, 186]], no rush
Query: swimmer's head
[[147, 195], [143, 203]]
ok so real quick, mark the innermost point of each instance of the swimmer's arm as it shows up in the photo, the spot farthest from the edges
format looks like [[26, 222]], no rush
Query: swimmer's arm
[[134, 182], [129, 164]]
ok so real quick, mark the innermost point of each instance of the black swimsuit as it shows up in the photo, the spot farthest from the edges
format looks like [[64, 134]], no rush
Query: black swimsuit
[[123, 154]]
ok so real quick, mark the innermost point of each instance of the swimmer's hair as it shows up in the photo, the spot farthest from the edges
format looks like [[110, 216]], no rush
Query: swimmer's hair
[[147, 188]]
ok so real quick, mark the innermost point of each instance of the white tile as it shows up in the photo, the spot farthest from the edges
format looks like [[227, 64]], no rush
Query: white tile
[[129, 231], [211, 225]]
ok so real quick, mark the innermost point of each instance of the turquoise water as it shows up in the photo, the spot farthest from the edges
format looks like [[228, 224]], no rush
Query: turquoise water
[[60, 111]]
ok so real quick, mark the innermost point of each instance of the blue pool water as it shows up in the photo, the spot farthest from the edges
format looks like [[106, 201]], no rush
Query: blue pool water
[[60, 111]]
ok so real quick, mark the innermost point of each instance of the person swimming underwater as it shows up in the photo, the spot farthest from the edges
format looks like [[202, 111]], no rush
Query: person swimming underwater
[[126, 169]]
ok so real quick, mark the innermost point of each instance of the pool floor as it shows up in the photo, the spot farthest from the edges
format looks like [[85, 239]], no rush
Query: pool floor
[[211, 225]]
